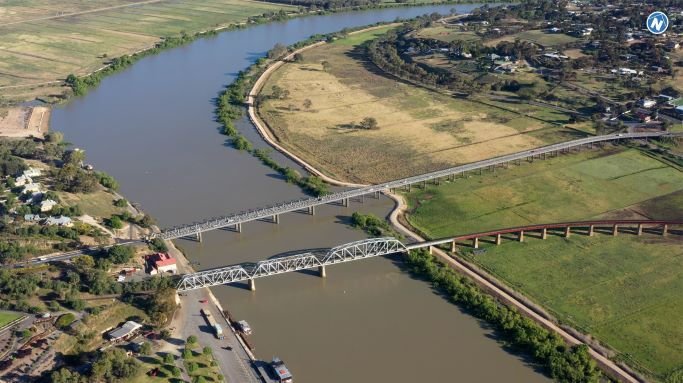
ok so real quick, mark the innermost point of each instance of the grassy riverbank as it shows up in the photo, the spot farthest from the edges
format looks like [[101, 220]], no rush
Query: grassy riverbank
[[315, 106]]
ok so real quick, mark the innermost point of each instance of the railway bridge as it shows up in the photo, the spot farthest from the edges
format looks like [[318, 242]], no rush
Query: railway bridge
[[309, 204], [374, 247]]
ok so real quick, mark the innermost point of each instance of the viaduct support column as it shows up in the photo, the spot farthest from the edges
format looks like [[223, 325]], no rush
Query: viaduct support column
[[615, 230], [252, 285], [431, 249], [321, 272], [591, 230], [544, 233], [521, 236], [665, 230], [238, 227], [199, 237], [345, 202], [498, 239], [424, 184], [453, 246], [640, 229], [377, 194], [276, 218], [311, 210], [567, 232], [475, 242]]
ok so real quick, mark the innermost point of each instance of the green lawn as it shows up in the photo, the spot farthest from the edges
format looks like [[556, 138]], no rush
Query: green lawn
[[205, 369], [596, 285], [443, 33], [7, 317], [565, 188], [359, 38]]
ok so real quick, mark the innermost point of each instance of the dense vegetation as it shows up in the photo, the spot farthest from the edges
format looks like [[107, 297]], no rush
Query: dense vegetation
[[565, 364]]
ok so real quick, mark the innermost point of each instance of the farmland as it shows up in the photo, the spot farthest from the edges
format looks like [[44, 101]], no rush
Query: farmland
[[45, 41], [334, 88], [624, 291], [596, 284], [574, 187]]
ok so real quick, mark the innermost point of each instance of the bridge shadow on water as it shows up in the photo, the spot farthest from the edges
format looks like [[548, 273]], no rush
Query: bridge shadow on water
[[490, 331]]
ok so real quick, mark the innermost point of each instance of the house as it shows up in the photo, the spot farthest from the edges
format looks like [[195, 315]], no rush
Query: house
[[32, 172], [646, 103], [555, 30], [31, 188], [59, 221], [162, 263], [586, 31], [643, 115], [126, 331], [31, 217], [47, 205], [23, 180]]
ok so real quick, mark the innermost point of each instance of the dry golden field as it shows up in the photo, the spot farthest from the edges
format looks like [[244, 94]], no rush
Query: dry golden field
[[419, 130]]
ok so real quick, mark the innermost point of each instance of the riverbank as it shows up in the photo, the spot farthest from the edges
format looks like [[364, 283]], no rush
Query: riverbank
[[482, 279]]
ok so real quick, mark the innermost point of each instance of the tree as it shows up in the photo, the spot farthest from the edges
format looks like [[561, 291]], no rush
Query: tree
[[199, 379], [187, 353], [54, 137], [121, 202], [74, 157], [308, 103], [277, 51], [83, 262], [369, 123], [276, 92], [146, 348], [120, 254], [175, 371], [169, 358], [192, 367], [158, 245], [207, 351], [298, 57], [191, 340], [64, 375], [113, 366]]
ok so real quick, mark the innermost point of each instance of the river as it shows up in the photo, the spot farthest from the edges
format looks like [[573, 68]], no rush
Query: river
[[151, 126]]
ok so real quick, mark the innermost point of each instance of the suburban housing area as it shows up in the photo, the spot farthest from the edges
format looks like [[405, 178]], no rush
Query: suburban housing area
[[510, 174]]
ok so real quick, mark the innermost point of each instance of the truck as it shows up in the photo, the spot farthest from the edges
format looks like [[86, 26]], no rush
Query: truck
[[217, 330]]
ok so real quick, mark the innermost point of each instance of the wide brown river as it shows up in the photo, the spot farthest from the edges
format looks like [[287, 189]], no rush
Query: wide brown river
[[152, 127]]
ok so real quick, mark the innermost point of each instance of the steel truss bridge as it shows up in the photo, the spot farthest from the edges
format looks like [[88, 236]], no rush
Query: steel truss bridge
[[353, 251], [236, 220]]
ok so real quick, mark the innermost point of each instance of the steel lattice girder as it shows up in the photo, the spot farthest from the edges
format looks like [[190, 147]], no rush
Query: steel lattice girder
[[349, 252], [301, 204]]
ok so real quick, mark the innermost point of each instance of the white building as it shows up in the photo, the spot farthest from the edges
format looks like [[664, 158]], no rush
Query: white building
[[32, 172], [47, 205], [59, 221], [126, 331], [645, 103], [31, 188], [23, 180]]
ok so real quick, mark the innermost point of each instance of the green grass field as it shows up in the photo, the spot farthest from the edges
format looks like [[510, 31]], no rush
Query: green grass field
[[7, 317], [536, 36], [596, 284], [38, 47], [570, 187], [446, 34]]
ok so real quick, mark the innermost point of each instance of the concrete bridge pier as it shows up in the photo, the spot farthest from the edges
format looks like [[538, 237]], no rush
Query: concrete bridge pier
[[431, 249], [238, 227], [276, 218], [591, 230], [199, 237], [408, 188], [345, 202], [567, 232], [322, 272], [640, 229], [499, 239], [475, 242], [362, 198], [665, 230], [453, 246], [521, 236], [252, 285], [615, 230], [424, 184], [377, 194], [544, 233]]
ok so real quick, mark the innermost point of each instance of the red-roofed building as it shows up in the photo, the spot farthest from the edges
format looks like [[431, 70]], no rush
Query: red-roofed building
[[162, 263]]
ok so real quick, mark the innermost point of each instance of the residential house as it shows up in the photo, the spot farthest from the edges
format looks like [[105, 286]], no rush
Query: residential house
[[647, 103], [23, 180], [162, 263], [31, 217], [672, 45], [47, 205], [59, 221], [31, 188], [32, 172]]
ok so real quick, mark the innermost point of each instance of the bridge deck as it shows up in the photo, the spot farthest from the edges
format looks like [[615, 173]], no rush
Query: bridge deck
[[301, 204]]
